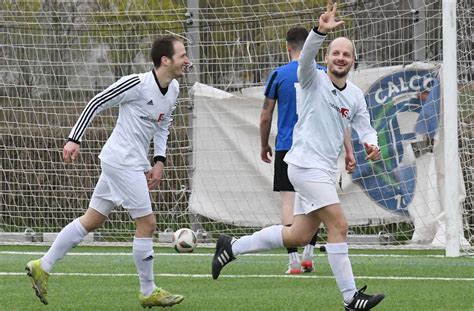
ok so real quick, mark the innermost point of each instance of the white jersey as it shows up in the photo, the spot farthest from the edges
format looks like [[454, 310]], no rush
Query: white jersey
[[144, 113], [324, 112]]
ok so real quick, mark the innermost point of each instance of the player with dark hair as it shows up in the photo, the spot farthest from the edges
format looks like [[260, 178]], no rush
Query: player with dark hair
[[146, 104], [329, 103]]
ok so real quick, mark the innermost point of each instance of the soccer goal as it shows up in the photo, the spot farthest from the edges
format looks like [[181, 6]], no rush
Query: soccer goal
[[414, 63]]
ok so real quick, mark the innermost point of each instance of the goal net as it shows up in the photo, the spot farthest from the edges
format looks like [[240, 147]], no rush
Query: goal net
[[57, 55]]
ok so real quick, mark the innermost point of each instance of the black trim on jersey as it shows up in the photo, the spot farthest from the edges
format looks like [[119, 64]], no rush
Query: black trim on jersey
[[99, 101], [270, 83], [74, 141], [340, 88], [315, 29], [163, 90], [159, 159]]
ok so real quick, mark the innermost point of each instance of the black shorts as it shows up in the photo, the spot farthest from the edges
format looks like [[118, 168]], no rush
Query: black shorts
[[280, 180]]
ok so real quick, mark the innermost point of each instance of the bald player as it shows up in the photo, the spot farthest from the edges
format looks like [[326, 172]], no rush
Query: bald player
[[329, 104]]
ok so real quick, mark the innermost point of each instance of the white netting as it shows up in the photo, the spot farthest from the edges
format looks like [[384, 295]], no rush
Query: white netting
[[56, 55]]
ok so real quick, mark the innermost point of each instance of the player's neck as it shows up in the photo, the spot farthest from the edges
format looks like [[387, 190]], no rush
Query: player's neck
[[294, 56], [164, 79], [339, 82]]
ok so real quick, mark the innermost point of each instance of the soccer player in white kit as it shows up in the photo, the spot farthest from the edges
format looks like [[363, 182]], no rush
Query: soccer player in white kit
[[146, 104], [328, 104]]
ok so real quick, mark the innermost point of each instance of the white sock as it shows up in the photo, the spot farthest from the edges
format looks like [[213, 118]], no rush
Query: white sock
[[143, 256], [70, 236], [265, 239], [308, 251], [338, 257], [293, 257]]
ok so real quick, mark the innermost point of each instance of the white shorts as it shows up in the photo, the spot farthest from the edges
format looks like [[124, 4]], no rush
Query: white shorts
[[121, 187], [315, 188]]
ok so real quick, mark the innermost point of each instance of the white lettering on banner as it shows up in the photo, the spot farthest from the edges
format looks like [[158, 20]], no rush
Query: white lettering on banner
[[413, 85]]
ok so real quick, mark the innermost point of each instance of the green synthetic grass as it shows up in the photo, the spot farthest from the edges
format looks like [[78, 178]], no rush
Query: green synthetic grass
[[411, 280]]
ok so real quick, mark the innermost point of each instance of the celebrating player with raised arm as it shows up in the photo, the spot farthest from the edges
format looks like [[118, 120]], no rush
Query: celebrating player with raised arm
[[146, 104], [281, 91], [329, 103]]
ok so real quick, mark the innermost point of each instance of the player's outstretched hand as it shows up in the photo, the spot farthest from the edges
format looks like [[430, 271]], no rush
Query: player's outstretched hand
[[327, 21], [373, 152], [70, 152], [266, 154]]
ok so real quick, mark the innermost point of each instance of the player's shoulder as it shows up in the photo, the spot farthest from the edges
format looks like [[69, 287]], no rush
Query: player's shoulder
[[354, 89]]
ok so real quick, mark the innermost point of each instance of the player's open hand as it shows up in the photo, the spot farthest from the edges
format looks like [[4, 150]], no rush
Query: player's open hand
[[327, 21], [70, 152], [154, 176], [266, 154], [350, 162], [373, 152]]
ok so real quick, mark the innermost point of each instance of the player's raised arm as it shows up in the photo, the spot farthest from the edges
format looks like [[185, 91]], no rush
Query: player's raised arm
[[327, 22]]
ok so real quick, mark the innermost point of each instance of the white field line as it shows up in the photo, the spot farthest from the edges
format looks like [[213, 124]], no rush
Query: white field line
[[249, 276], [209, 254]]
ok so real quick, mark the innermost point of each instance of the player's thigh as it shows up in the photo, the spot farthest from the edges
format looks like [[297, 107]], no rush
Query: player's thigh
[[287, 199], [102, 199], [302, 230], [333, 218], [315, 189], [129, 188]]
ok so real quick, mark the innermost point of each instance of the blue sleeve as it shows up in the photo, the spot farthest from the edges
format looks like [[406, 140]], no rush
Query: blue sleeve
[[271, 90]]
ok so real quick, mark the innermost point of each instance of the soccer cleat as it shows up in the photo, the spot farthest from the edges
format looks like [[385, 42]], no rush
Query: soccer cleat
[[362, 301], [160, 298], [39, 279], [222, 256], [307, 264], [294, 268]]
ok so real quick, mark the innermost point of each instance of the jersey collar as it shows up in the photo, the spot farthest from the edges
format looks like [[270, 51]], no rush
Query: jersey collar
[[163, 90]]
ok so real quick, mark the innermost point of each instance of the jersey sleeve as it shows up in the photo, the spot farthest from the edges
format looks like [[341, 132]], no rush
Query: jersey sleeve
[[271, 89], [119, 92], [160, 138], [307, 72], [361, 123]]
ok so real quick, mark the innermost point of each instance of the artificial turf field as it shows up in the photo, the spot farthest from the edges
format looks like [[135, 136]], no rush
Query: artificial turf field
[[104, 278]]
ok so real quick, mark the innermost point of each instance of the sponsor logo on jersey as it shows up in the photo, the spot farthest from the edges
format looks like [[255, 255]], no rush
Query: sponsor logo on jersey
[[345, 112], [391, 181], [160, 118]]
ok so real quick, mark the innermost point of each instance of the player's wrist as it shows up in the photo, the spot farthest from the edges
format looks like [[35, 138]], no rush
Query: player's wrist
[[159, 159], [74, 141], [320, 30]]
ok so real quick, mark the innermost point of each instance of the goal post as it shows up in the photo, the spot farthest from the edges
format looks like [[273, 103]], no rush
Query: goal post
[[450, 130], [58, 54]]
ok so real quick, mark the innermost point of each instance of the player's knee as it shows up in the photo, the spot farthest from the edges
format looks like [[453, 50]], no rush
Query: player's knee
[[146, 225], [339, 228], [298, 238]]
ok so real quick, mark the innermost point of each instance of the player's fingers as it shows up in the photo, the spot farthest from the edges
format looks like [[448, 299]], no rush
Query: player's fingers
[[66, 156], [339, 23], [329, 5], [334, 8], [74, 154]]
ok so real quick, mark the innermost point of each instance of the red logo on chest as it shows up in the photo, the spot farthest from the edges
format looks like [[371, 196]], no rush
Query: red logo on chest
[[161, 117], [344, 112]]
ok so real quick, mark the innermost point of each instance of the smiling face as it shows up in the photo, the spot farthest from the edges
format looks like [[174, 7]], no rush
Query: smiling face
[[179, 61], [340, 57]]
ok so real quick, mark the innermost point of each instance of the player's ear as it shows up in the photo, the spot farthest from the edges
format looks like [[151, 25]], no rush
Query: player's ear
[[165, 60]]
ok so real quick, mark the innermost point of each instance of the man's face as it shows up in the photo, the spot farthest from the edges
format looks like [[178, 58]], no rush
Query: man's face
[[340, 57], [179, 61]]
